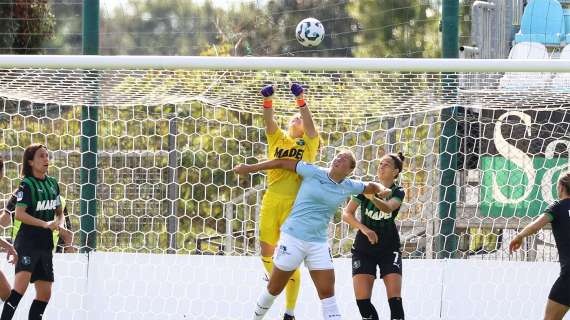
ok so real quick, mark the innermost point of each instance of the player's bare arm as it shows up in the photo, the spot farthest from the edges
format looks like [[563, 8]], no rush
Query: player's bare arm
[[5, 218], [376, 188], [286, 164], [348, 216], [531, 229], [26, 218], [384, 205], [59, 217], [12, 256]]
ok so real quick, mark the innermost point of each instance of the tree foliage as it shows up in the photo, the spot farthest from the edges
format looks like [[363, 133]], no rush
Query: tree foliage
[[396, 28], [25, 26], [360, 28]]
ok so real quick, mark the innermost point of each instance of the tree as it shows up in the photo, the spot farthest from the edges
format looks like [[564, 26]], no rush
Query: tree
[[396, 28], [339, 26], [178, 27], [26, 25], [194, 28]]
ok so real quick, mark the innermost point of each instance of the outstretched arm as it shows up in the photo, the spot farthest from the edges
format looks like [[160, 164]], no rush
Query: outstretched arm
[[286, 164], [376, 188], [270, 124], [531, 229], [308, 123], [384, 205]]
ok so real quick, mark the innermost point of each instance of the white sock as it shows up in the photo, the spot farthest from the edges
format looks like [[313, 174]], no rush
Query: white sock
[[264, 302], [330, 309], [290, 312]]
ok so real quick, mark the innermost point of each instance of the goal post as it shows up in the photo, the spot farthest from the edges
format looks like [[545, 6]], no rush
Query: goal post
[[170, 130]]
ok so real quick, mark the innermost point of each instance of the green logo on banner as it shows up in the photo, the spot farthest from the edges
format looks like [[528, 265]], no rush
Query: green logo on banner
[[516, 183], [506, 190]]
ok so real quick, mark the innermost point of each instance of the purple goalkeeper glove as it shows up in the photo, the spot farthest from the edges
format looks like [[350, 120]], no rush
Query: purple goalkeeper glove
[[267, 91], [296, 89]]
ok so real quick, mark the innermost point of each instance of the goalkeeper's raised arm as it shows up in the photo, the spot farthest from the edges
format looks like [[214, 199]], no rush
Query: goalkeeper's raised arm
[[308, 123]]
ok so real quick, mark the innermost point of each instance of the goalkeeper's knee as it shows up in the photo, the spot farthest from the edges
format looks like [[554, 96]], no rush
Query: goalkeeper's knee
[[367, 310]]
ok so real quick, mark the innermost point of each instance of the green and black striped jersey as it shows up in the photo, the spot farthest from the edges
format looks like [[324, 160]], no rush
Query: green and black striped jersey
[[41, 199], [383, 223]]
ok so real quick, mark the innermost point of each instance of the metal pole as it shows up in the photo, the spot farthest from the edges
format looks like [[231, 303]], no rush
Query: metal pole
[[172, 220], [449, 141], [89, 118]]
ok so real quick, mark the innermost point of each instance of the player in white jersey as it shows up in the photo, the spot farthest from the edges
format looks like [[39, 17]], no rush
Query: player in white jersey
[[304, 233]]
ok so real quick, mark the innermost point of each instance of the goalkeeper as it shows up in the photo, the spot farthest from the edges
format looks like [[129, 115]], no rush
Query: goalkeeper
[[299, 142]]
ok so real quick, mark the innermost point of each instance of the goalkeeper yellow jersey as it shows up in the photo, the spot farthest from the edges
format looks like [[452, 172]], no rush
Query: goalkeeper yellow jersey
[[282, 146]]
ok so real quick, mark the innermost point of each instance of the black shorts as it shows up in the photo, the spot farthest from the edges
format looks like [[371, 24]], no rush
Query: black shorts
[[560, 291], [388, 262], [39, 263]]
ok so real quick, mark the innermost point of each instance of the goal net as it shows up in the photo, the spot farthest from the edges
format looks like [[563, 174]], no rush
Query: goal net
[[174, 230]]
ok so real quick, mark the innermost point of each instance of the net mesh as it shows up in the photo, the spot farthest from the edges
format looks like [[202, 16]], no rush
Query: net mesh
[[168, 140]]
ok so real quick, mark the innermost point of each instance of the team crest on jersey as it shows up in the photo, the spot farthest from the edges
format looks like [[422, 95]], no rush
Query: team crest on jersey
[[300, 142], [355, 264], [19, 195], [26, 260]]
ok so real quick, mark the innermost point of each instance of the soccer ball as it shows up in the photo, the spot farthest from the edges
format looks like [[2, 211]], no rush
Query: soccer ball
[[310, 32]]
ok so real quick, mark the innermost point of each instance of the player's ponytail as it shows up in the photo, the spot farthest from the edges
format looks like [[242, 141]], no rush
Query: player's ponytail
[[565, 182], [29, 154]]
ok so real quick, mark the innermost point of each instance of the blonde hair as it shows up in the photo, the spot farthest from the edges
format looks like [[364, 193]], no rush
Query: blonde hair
[[564, 181]]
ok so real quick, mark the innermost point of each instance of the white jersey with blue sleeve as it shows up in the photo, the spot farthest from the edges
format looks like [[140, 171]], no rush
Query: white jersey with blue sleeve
[[317, 201]]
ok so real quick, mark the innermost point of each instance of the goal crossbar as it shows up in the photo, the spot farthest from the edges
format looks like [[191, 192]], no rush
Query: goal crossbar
[[281, 63]]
